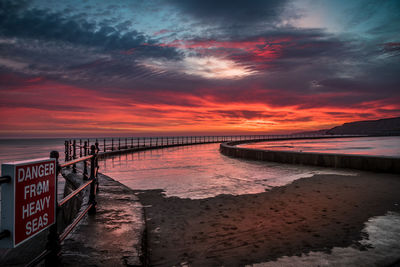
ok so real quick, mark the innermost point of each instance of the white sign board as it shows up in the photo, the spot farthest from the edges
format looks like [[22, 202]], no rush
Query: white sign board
[[28, 202]]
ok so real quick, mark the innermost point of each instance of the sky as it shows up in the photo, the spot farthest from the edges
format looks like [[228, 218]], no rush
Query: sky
[[171, 67]]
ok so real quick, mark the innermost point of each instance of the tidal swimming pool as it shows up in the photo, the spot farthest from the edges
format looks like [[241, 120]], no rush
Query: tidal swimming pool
[[373, 146]]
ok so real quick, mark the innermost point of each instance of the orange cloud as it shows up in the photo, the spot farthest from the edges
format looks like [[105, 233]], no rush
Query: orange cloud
[[53, 109]]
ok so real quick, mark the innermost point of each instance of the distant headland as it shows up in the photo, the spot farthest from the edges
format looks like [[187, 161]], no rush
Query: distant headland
[[390, 126]]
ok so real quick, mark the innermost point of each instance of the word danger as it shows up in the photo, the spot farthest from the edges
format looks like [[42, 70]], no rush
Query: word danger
[[35, 171]]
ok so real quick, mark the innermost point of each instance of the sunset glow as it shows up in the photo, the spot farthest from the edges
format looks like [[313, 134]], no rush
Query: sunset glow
[[277, 68]]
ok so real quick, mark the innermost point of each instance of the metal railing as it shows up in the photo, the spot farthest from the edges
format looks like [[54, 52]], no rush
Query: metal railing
[[54, 240], [80, 147], [3, 180]]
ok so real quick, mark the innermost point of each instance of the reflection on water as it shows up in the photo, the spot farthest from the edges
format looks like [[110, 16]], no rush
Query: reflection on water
[[376, 146], [200, 171], [383, 248]]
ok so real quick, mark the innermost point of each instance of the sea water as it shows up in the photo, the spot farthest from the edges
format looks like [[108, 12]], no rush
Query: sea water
[[201, 171]]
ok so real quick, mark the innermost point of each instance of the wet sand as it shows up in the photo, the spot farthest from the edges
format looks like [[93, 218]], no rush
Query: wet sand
[[311, 214]]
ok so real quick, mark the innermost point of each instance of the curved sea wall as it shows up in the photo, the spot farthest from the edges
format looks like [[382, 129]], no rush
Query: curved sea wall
[[359, 162]]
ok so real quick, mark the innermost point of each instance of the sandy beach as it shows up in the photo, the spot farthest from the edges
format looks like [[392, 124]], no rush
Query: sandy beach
[[310, 215]]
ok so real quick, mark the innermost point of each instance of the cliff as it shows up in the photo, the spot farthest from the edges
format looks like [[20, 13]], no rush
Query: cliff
[[374, 127]]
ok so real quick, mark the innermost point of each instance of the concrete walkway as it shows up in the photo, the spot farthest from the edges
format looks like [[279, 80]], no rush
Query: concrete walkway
[[111, 237]]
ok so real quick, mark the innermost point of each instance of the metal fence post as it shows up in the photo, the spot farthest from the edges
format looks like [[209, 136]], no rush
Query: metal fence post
[[70, 149], [112, 144], [97, 165], [85, 171], [93, 176], [66, 150], [104, 145], [74, 155], [53, 239]]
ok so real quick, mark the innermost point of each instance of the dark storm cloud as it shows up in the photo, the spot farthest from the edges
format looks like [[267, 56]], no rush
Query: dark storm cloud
[[293, 48], [43, 106], [17, 20], [247, 114], [231, 11], [42, 43], [392, 48], [341, 83], [306, 67]]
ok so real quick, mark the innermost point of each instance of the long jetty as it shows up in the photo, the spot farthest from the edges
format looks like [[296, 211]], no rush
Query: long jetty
[[76, 148]]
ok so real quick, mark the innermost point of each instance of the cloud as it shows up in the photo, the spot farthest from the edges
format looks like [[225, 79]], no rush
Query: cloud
[[378, 18], [270, 50], [219, 68], [21, 21], [207, 67], [36, 104], [231, 12], [392, 48]]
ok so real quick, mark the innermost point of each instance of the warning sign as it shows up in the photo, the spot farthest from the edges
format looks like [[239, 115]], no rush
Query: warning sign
[[34, 200]]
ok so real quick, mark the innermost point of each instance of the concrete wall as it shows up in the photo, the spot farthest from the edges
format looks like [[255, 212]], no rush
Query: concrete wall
[[367, 163]]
